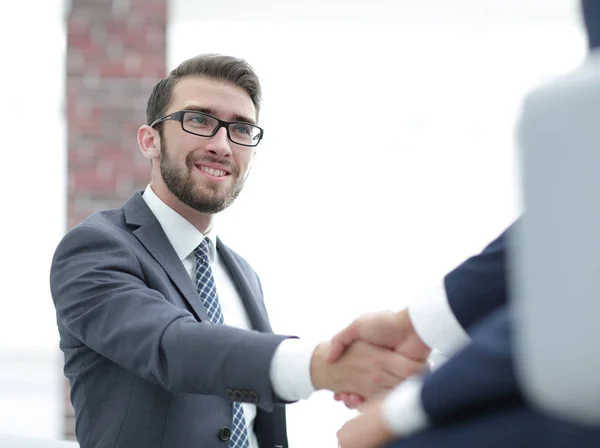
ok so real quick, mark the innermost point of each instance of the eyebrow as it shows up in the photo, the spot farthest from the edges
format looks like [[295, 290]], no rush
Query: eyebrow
[[208, 110]]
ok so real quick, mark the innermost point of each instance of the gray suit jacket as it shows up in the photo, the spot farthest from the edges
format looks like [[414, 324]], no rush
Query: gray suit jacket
[[146, 368]]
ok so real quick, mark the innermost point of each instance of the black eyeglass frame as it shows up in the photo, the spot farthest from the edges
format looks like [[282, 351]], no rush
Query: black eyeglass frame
[[178, 116]]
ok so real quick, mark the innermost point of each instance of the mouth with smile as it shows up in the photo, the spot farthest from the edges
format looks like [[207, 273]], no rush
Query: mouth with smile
[[213, 171]]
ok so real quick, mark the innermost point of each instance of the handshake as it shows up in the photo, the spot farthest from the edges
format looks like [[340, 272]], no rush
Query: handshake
[[370, 357], [364, 362]]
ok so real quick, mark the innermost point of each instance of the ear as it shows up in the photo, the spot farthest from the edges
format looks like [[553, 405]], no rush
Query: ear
[[149, 142]]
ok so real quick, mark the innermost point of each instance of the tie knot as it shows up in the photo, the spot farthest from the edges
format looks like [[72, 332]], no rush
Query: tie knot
[[202, 251]]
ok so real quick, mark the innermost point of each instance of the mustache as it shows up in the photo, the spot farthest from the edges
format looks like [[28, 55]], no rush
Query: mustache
[[227, 163]]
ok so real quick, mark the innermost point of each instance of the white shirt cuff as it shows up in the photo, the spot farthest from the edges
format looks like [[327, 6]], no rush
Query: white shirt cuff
[[403, 411], [436, 324], [290, 370]]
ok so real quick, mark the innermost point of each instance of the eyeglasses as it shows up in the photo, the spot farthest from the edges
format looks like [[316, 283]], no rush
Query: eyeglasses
[[206, 125]]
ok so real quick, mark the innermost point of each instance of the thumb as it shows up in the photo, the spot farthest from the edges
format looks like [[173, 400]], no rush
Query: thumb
[[339, 343]]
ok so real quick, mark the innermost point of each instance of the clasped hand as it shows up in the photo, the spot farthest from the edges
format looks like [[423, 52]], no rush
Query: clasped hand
[[362, 363]]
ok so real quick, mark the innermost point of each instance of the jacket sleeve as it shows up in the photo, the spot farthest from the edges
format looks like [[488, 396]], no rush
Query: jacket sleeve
[[481, 376], [478, 286], [101, 299]]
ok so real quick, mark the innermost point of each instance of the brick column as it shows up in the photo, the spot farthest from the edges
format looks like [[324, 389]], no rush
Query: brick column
[[116, 52]]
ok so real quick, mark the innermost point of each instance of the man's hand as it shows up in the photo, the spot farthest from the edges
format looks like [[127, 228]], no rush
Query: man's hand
[[385, 329], [363, 369], [368, 430]]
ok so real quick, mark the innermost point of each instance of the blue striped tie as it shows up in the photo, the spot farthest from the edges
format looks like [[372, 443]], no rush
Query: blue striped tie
[[205, 285]]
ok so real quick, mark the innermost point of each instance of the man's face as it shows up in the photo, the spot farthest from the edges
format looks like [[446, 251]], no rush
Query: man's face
[[206, 173]]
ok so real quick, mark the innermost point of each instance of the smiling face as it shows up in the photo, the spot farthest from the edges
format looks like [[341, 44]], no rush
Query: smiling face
[[204, 173]]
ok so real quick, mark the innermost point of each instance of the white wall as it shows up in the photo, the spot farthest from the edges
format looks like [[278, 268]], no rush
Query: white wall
[[32, 184], [388, 154]]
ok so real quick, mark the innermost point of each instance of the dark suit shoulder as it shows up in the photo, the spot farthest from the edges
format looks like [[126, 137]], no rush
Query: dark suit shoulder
[[109, 224], [103, 233], [104, 220]]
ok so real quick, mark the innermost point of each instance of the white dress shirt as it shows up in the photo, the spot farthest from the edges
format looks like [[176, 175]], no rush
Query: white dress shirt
[[290, 366], [436, 324], [438, 327]]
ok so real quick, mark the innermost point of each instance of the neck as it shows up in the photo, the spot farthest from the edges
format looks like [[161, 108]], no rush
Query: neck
[[202, 221]]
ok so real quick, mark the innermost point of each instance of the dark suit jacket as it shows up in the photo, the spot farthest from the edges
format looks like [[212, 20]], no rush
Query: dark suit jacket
[[146, 367], [591, 18], [481, 376], [478, 286], [475, 400]]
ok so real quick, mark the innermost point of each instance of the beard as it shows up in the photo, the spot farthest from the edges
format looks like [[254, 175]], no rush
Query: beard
[[209, 198]]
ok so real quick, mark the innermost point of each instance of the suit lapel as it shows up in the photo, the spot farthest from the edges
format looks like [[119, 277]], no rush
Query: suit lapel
[[152, 236], [256, 313]]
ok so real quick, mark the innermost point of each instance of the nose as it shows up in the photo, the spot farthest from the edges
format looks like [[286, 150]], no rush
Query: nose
[[218, 144]]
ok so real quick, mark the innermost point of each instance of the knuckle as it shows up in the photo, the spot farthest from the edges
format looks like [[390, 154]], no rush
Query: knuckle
[[377, 363], [376, 378]]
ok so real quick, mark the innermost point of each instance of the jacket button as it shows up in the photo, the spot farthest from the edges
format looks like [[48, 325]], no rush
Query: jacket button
[[225, 433]]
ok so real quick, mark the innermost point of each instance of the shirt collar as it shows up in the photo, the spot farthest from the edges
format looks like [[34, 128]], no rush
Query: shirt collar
[[182, 235]]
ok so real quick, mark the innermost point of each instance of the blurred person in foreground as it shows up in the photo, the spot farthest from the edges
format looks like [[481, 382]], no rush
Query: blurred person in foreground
[[164, 329], [477, 397], [447, 320]]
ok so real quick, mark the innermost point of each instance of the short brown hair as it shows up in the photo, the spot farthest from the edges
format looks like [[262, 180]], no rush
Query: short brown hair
[[227, 68]]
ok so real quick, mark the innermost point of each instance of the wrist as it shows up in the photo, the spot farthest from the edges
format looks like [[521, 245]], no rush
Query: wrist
[[380, 428], [413, 346], [319, 367]]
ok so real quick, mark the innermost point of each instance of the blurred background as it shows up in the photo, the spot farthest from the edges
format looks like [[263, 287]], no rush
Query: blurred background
[[388, 157]]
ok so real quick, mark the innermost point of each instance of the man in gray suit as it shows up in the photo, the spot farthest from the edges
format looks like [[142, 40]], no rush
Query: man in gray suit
[[164, 330]]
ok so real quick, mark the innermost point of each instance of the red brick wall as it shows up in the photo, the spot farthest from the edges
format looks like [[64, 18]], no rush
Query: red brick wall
[[116, 52]]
